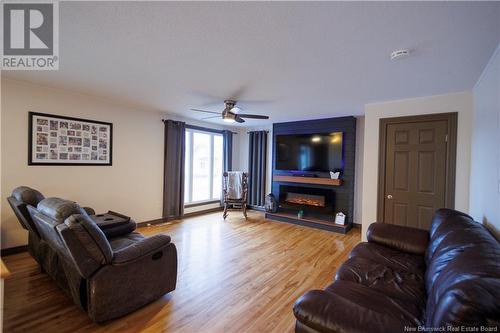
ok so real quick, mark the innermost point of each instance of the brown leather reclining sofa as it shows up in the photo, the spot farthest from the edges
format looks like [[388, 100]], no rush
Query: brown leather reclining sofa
[[107, 272], [405, 279]]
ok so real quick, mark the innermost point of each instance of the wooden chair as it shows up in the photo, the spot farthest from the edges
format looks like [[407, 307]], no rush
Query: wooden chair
[[242, 202]]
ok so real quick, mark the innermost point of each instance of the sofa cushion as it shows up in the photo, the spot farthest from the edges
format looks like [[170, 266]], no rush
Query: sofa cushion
[[445, 214], [474, 301], [85, 244], [444, 221], [23, 215], [46, 227], [27, 195], [389, 257], [397, 283], [91, 237], [463, 274], [120, 242], [58, 209], [397, 237], [21, 198]]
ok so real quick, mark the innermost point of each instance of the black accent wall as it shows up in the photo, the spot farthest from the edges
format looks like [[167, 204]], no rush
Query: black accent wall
[[344, 194]]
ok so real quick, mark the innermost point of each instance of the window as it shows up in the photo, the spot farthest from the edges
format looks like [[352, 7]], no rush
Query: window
[[203, 166]]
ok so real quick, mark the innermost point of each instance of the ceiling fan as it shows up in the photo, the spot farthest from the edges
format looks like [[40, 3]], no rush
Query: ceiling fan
[[231, 113]]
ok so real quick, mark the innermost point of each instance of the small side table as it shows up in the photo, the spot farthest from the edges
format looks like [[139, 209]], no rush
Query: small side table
[[4, 274]]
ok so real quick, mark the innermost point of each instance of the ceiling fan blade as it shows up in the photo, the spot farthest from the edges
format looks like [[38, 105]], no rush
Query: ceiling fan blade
[[198, 110], [253, 116], [238, 119], [211, 117], [246, 103]]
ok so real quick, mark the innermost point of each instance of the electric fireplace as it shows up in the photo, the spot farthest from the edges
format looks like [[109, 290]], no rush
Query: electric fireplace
[[312, 201], [305, 199]]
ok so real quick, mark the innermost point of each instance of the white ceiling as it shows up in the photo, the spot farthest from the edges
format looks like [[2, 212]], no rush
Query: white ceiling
[[290, 60]]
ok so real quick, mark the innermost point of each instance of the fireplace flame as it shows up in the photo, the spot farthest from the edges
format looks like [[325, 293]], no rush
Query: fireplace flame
[[305, 199], [308, 202]]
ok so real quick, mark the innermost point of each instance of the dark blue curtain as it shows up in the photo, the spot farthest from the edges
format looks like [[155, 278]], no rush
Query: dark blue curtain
[[227, 150], [227, 162], [173, 176], [257, 156]]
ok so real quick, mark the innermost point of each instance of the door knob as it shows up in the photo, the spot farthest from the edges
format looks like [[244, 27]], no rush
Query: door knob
[[389, 197]]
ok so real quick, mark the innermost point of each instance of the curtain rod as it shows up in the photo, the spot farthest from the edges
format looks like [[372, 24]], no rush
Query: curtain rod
[[208, 129], [258, 131], [200, 128]]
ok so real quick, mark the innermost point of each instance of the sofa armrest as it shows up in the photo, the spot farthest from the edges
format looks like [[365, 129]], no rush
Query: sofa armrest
[[118, 289], [327, 312], [148, 246], [316, 309], [350, 307], [406, 239]]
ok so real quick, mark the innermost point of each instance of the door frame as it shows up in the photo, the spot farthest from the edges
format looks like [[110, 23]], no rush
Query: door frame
[[451, 153]]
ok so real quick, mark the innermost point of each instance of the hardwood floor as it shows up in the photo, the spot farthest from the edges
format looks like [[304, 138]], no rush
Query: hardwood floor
[[234, 276]]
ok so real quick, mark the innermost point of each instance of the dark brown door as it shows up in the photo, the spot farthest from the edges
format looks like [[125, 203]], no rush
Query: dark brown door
[[416, 167]]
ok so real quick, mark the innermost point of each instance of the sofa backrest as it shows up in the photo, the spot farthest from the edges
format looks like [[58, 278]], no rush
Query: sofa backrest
[[27, 195], [463, 272], [49, 213], [88, 247], [19, 200]]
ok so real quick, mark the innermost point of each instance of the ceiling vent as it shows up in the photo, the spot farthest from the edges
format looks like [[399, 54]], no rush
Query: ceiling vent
[[398, 54]]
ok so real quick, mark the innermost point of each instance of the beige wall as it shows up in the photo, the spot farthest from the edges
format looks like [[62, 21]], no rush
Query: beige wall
[[485, 168], [133, 185], [458, 102]]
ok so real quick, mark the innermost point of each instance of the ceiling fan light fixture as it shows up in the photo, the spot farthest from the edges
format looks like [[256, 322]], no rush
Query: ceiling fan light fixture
[[228, 117], [231, 113]]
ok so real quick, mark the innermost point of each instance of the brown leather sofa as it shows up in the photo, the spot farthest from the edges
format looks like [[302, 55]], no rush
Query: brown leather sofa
[[404, 279], [24, 196], [108, 273]]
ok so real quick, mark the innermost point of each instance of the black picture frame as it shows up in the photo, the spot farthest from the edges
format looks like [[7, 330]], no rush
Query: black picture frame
[[31, 133]]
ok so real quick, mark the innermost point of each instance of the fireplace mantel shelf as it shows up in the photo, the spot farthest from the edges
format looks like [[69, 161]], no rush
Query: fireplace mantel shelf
[[308, 180]]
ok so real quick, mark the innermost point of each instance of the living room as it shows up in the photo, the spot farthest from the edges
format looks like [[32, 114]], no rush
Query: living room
[[250, 166]]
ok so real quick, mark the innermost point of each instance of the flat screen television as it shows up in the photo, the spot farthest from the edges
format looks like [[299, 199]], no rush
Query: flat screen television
[[320, 152]]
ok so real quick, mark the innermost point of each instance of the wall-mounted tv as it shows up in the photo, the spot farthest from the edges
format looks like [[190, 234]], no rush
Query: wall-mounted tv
[[320, 152]]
